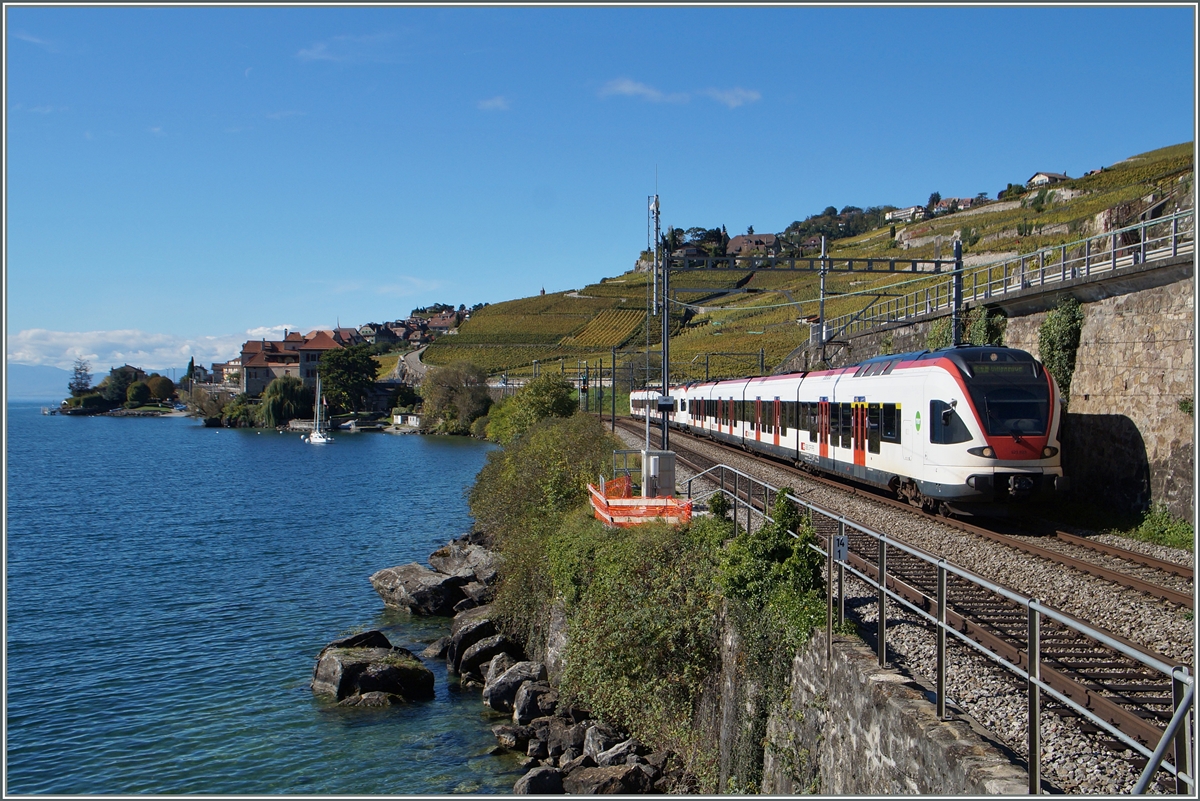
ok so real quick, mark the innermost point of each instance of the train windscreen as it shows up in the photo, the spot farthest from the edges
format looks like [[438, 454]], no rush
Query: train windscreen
[[1011, 405]]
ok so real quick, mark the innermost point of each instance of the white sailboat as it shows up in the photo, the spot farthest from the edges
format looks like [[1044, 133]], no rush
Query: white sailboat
[[318, 436]]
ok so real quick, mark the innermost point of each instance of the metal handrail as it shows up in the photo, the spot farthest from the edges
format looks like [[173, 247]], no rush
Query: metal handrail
[[1163, 238], [1036, 611]]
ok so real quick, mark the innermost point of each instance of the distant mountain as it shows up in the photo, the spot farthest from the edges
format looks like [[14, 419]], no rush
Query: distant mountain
[[37, 381]]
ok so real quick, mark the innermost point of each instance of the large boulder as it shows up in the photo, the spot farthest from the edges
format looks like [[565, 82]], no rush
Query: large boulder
[[619, 754], [500, 692], [470, 666], [562, 737], [556, 642], [534, 699], [463, 559], [468, 628], [496, 668], [539, 781], [513, 737], [614, 780], [599, 738], [419, 589], [369, 663]]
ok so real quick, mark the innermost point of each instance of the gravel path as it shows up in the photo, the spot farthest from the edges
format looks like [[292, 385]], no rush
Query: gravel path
[[1072, 760]]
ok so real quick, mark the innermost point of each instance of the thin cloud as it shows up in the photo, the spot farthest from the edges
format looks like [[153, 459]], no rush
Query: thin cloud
[[497, 103], [625, 87], [158, 131], [351, 49], [45, 44], [734, 97]]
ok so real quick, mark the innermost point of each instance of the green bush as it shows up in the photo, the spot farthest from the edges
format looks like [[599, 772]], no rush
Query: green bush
[[1058, 342], [137, 394], [1161, 527], [548, 395], [939, 334], [644, 633]]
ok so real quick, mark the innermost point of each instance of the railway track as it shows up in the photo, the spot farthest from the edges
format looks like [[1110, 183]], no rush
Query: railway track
[[1141, 583], [1135, 699]]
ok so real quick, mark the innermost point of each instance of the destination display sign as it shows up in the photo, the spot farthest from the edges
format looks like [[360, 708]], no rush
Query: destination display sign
[[1000, 368]]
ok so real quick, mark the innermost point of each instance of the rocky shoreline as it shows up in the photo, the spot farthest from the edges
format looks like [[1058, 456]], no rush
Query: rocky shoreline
[[565, 749]]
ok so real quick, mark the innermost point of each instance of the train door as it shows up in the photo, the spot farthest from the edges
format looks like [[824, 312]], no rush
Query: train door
[[823, 427], [775, 416], [858, 430], [757, 425]]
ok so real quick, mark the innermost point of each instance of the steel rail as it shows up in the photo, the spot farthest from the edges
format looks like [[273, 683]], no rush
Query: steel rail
[[1103, 572], [1183, 571]]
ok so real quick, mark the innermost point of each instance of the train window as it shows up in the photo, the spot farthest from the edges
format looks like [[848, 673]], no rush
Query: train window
[[874, 414], [814, 421], [783, 407], [846, 425], [891, 423], [945, 426]]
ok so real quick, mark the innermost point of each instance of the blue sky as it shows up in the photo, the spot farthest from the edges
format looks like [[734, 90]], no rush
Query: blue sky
[[182, 179]]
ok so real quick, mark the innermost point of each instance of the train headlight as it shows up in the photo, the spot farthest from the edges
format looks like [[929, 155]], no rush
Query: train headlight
[[1049, 451], [986, 452]]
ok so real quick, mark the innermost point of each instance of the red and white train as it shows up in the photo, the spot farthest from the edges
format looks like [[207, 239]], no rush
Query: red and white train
[[957, 430]]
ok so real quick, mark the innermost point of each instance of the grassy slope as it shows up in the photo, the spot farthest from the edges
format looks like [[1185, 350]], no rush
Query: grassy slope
[[585, 325]]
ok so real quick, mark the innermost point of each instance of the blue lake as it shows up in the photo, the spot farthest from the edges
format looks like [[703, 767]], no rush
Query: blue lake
[[169, 586]]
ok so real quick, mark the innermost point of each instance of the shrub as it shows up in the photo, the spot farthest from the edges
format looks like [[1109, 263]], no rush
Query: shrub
[[1161, 527], [548, 395], [1058, 342], [939, 334], [644, 635], [137, 393]]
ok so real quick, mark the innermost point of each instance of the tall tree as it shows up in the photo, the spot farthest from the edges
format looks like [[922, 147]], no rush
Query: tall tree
[[284, 399], [116, 385], [81, 378], [347, 375], [934, 199]]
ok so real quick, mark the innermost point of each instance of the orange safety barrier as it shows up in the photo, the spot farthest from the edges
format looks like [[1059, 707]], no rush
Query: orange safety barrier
[[621, 487], [627, 511]]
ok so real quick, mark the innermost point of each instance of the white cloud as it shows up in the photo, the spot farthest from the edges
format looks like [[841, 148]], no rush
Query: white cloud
[[149, 351], [158, 131], [497, 103], [734, 97], [350, 49], [629, 88]]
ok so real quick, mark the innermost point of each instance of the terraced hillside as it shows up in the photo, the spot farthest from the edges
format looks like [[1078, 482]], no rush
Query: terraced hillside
[[724, 321]]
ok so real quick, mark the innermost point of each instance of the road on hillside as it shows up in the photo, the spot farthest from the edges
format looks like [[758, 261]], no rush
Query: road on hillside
[[413, 365]]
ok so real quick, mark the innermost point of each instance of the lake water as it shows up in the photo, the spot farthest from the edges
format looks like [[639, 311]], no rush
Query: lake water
[[169, 587]]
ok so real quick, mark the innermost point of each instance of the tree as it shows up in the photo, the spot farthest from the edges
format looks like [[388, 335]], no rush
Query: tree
[[137, 393], [934, 199], [548, 395], [284, 399], [347, 375], [455, 396], [115, 386], [81, 378], [191, 369], [161, 387], [750, 230]]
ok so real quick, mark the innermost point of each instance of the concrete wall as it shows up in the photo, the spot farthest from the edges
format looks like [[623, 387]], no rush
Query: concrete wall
[[849, 727]]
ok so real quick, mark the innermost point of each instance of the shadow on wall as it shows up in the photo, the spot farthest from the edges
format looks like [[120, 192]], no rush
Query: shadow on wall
[[1105, 457]]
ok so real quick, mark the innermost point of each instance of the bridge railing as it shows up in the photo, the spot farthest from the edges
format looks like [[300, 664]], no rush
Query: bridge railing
[[744, 491], [1146, 242]]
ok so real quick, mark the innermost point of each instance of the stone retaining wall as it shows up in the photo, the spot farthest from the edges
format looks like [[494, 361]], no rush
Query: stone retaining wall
[[853, 728]]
